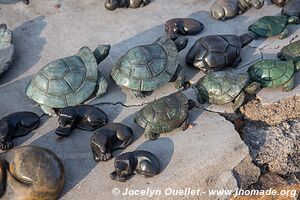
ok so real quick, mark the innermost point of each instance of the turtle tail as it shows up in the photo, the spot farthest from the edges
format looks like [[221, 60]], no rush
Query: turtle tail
[[101, 52], [247, 38]]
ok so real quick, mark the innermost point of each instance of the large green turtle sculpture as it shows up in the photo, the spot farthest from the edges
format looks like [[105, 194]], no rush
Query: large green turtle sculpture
[[164, 115], [290, 52], [69, 81], [148, 67], [268, 26], [275, 73], [223, 87]]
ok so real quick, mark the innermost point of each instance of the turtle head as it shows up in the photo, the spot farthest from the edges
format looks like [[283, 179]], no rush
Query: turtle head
[[181, 43], [293, 20], [247, 38], [101, 52]]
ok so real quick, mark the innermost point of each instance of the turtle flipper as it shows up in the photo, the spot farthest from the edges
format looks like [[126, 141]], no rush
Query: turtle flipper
[[284, 34], [186, 124], [288, 86], [137, 94], [102, 85], [252, 88], [239, 100], [150, 135], [48, 110], [179, 77]]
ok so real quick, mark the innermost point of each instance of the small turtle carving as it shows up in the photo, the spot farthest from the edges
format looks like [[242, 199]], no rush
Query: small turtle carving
[[6, 48], [164, 115], [84, 117], [223, 87], [214, 52], [109, 138], [140, 162], [183, 26], [16, 125], [114, 4], [268, 26], [275, 73], [290, 52], [30, 172], [148, 67], [69, 81]]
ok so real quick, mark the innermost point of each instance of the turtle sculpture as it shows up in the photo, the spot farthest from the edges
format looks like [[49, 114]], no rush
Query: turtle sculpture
[[290, 52], [13, 1], [137, 162], [223, 87], [183, 26], [268, 26], [214, 52], [69, 81], [16, 125], [30, 172], [148, 67], [292, 8], [275, 73], [226, 9], [279, 3], [114, 4], [164, 115], [6, 48]]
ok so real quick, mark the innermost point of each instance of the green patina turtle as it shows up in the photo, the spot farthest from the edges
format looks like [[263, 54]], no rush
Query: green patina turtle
[[290, 52], [268, 26], [274, 73], [148, 67], [223, 87], [164, 115], [69, 81]]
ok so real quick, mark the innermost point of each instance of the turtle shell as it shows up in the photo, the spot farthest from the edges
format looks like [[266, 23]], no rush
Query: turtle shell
[[291, 52], [6, 48], [269, 25], [165, 114], [65, 82], [221, 87], [214, 51], [148, 67], [272, 73]]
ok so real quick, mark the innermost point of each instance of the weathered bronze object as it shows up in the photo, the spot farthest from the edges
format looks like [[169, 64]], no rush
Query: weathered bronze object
[[109, 138], [275, 73], [268, 26], [30, 172], [224, 9], [16, 125], [136, 162], [114, 4], [292, 9], [164, 115], [290, 52], [183, 26], [244, 5], [84, 117], [6, 48], [279, 3], [215, 52], [13, 1], [69, 81], [223, 87], [148, 67]]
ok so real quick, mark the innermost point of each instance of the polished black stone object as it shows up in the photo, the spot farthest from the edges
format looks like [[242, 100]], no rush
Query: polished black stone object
[[136, 162], [16, 125], [114, 4], [109, 138], [84, 117], [183, 26]]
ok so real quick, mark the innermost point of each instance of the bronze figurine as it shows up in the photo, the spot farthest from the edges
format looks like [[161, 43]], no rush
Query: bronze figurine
[[139, 162], [114, 4], [109, 138], [16, 125], [279, 3], [244, 5], [30, 173], [183, 26], [84, 117], [224, 9]]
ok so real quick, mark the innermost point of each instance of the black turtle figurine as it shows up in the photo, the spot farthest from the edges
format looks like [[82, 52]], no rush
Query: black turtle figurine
[[84, 117], [183, 26], [13, 1], [114, 4], [139, 162], [214, 52], [109, 138], [16, 125]]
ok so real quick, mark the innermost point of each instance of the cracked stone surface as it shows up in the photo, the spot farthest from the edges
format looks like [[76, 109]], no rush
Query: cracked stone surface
[[202, 157]]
